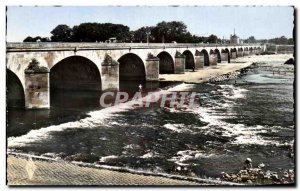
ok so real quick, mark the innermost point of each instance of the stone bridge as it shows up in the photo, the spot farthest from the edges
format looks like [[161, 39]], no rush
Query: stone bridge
[[32, 68]]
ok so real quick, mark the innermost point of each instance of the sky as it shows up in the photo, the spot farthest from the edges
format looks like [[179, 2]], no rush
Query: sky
[[260, 22]]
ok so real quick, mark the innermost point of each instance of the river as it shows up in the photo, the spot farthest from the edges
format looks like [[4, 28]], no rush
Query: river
[[251, 117]]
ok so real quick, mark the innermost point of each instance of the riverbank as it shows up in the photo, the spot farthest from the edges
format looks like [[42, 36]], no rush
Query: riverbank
[[63, 173], [22, 170], [203, 75]]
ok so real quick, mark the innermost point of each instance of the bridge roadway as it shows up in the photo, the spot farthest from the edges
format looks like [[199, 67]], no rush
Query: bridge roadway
[[32, 68]]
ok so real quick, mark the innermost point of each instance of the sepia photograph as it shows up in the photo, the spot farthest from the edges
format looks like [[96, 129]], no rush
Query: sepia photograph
[[176, 95]]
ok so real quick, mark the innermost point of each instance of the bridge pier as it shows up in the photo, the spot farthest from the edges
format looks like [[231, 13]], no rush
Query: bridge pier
[[246, 53], [179, 63], [110, 74], [152, 68], [199, 60], [233, 55], [213, 59], [224, 57], [240, 54], [37, 91]]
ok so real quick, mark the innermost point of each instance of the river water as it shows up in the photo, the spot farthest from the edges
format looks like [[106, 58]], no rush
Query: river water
[[233, 120]]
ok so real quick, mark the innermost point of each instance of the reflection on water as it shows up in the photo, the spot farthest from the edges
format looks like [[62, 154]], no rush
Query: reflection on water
[[133, 86], [67, 105]]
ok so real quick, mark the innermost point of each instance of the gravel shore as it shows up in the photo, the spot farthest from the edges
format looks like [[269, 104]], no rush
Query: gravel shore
[[203, 75]]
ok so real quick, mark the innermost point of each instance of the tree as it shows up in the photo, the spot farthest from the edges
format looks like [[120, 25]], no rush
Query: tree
[[212, 39], [160, 32], [140, 35], [45, 39], [86, 32], [92, 32], [278, 40], [170, 31], [290, 41], [281, 40], [100, 32], [28, 39], [251, 39], [61, 33], [177, 31], [121, 32], [36, 39]]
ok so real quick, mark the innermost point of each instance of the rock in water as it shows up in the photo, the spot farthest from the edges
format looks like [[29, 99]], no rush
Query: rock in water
[[248, 160], [248, 163], [261, 165]]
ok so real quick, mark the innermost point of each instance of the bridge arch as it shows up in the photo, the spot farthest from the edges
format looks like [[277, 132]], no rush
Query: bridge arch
[[206, 57], [75, 73], [189, 59], [15, 93], [246, 51], [233, 50], [131, 67], [217, 52], [240, 52], [233, 53], [259, 49], [255, 50], [166, 63], [227, 52], [250, 50]]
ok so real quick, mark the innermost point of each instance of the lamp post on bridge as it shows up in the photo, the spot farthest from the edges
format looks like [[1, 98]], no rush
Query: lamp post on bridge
[[148, 33]]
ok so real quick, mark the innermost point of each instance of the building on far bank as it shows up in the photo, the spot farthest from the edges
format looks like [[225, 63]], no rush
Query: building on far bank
[[234, 39]]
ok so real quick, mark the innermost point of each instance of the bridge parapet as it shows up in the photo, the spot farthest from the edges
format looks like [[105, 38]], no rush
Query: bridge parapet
[[109, 46]]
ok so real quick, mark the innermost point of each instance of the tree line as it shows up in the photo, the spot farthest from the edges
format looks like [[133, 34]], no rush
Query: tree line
[[279, 40], [163, 32], [166, 32]]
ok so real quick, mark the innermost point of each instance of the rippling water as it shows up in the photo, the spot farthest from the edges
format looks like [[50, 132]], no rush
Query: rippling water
[[252, 117]]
